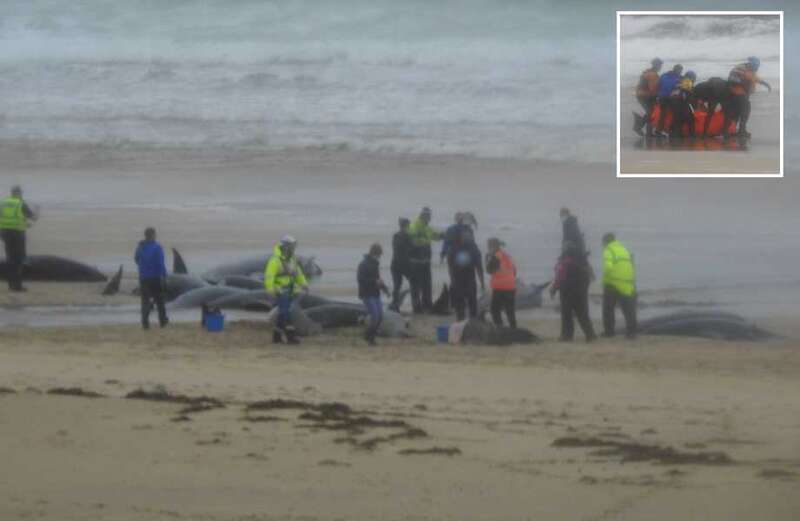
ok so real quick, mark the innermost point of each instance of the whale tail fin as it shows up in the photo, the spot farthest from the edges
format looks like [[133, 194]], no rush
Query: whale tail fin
[[442, 304], [178, 265], [112, 288]]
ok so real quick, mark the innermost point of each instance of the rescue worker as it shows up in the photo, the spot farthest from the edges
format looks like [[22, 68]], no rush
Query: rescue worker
[[679, 104], [571, 281], [619, 285], [422, 235], [370, 286], [15, 217], [503, 282], [666, 83], [401, 261], [451, 234], [646, 95], [743, 80], [149, 258], [570, 231], [466, 263], [284, 279]]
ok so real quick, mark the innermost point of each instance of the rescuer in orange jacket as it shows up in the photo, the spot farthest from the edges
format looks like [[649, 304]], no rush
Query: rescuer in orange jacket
[[646, 94], [503, 282], [743, 80]]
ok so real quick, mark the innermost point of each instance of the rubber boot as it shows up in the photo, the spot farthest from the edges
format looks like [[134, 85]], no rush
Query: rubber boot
[[277, 337], [291, 336]]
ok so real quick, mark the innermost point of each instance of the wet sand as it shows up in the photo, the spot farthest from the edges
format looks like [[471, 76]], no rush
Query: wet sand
[[661, 428], [759, 155]]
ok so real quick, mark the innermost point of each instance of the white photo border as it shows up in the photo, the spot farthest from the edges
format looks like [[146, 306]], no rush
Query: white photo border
[[620, 14]]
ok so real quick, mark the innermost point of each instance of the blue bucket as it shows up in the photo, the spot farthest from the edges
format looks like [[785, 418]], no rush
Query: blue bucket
[[443, 333], [215, 322]]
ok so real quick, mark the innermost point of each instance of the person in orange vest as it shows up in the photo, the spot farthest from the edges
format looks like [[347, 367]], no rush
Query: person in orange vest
[[743, 80], [646, 94], [503, 282]]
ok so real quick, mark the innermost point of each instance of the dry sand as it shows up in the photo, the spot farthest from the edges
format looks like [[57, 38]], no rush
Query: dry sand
[[730, 412]]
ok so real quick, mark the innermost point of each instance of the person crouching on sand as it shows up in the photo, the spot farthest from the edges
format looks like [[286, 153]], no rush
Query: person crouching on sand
[[149, 258], [503, 282], [370, 286], [571, 280], [284, 279]]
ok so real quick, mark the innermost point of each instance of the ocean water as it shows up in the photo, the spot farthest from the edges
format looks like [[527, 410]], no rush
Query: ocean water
[[476, 77], [530, 79]]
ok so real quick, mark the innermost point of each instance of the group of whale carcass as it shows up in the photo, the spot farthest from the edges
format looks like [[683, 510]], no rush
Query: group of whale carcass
[[237, 285]]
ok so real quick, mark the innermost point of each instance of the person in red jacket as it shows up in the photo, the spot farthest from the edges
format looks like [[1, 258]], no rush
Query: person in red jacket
[[571, 280], [503, 282]]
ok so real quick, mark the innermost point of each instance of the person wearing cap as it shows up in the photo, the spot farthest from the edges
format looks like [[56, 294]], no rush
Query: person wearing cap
[[370, 286], [679, 104], [284, 279], [503, 282], [572, 284], [15, 217], [422, 235], [619, 285], [666, 83], [401, 260], [743, 80], [646, 95], [465, 262], [149, 259]]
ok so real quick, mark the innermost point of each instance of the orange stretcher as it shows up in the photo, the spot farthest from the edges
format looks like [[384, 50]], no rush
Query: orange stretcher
[[700, 115]]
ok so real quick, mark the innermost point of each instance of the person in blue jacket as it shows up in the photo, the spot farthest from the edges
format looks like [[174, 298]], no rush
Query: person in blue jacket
[[152, 277], [666, 83]]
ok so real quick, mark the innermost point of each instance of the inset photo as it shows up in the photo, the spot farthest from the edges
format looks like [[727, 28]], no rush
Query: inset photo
[[699, 94]]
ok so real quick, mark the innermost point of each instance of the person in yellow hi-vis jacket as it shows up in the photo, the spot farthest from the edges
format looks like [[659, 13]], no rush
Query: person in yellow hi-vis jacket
[[422, 235], [619, 285], [284, 279], [15, 217]]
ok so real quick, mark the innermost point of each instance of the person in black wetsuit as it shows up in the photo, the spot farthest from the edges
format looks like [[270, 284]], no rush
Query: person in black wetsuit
[[571, 231], [401, 261], [466, 264], [572, 234]]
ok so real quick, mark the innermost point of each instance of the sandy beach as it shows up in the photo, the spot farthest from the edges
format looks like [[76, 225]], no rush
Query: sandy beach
[[661, 428]]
